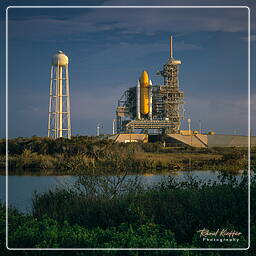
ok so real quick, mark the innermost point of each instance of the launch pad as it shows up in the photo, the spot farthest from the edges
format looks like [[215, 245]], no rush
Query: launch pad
[[153, 107], [148, 109]]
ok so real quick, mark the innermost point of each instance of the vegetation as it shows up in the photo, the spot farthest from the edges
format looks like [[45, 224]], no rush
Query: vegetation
[[182, 207], [91, 154], [28, 232], [101, 211], [131, 215]]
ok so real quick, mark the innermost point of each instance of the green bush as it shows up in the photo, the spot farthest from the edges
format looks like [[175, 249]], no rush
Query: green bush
[[29, 232], [183, 207], [83, 154], [46, 232]]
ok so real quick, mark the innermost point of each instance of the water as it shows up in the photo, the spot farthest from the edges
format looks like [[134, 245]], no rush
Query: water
[[22, 188]]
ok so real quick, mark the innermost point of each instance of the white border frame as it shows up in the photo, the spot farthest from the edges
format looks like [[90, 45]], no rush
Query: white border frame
[[249, 132]]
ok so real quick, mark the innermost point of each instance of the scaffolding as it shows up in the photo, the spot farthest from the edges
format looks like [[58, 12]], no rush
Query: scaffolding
[[167, 104], [172, 96]]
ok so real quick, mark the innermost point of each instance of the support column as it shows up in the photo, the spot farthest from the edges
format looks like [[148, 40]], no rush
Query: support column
[[60, 101], [113, 126], [68, 103], [50, 105], [56, 123]]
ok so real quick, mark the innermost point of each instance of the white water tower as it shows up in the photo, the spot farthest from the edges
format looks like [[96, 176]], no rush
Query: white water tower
[[59, 104]]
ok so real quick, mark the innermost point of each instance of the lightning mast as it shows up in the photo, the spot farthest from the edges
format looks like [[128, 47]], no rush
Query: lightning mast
[[173, 103]]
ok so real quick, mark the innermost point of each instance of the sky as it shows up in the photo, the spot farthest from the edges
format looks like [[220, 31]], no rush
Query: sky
[[108, 48]]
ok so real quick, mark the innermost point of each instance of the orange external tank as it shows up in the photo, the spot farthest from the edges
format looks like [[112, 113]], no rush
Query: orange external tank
[[144, 93]]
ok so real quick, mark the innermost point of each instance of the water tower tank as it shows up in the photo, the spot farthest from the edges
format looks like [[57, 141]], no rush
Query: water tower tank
[[60, 59]]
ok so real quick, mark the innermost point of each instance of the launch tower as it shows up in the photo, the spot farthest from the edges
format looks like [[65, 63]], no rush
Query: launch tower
[[170, 92], [153, 107]]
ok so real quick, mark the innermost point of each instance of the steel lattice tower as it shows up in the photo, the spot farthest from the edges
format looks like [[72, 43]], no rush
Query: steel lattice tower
[[172, 95], [164, 103], [59, 104]]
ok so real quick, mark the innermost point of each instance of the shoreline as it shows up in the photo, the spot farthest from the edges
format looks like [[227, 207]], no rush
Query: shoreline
[[141, 163], [93, 156], [58, 173]]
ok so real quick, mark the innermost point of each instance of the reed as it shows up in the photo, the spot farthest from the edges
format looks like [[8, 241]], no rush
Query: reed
[[92, 154], [182, 207]]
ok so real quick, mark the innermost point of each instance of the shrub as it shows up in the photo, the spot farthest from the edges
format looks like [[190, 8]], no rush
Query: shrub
[[183, 207], [29, 232]]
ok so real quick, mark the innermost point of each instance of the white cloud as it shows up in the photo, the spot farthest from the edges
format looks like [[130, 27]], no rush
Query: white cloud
[[252, 37], [222, 113], [131, 21], [95, 103], [116, 52]]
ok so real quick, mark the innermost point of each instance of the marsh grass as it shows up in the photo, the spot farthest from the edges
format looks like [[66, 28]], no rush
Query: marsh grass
[[181, 206], [167, 215], [92, 154]]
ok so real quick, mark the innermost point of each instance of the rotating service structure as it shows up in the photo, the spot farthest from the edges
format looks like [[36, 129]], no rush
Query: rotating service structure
[[59, 105], [153, 107]]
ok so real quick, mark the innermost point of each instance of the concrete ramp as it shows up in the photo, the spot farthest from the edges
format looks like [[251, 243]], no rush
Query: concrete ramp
[[203, 138], [113, 137], [190, 140]]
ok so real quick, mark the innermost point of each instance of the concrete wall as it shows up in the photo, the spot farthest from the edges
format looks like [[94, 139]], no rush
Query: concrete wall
[[131, 138], [216, 140], [197, 140], [221, 140], [191, 140]]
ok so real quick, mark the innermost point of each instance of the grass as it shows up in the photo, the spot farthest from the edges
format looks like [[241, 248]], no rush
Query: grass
[[91, 155], [167, 157], [166, 215], [28, 232], [182, 207], [121, 215]]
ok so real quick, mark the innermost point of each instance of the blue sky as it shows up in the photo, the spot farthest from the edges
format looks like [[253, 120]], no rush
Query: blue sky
[[109, 48]]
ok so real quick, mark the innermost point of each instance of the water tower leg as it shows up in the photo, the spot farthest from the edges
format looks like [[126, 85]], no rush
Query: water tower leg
[[60, 101], [50, 106], [68, 103], [56, 110]]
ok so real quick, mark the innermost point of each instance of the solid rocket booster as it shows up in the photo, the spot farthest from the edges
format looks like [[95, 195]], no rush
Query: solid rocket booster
[[138, 100], [144, 93], [150, 100]]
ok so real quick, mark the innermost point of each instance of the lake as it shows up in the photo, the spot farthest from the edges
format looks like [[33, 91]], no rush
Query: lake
[[22, 188]]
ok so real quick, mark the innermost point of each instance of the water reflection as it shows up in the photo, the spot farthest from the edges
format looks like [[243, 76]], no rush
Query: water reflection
[[22, 188]]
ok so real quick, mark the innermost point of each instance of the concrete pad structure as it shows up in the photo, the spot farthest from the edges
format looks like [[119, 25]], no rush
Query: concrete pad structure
[[221, 140], [189, 140], [209, 141], [129, 137], [193, 140]]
